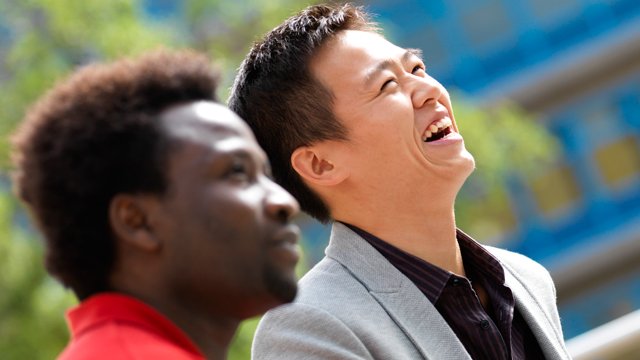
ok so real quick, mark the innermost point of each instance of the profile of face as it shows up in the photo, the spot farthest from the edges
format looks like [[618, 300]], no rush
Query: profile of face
[[229, 242], [399, 119]]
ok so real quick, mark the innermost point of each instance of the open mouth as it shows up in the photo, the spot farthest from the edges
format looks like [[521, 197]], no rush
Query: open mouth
[[437, 130]]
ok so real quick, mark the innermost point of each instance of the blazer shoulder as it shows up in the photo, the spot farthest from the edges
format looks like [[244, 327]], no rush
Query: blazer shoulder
[[532, 275], [537, 282], [334, 316], [521, 265]]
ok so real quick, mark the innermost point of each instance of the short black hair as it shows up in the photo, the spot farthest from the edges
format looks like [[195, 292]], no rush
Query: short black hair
[[285, 106], [92, 136]]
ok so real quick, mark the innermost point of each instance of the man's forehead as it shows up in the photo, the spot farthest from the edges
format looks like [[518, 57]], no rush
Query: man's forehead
[[201, 111], [341, 54], [208, 130], [212, 112], [204, 118], [365, 41], [354, 57]]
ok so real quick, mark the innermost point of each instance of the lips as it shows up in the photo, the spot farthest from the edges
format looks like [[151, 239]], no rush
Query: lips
[[285, 242], [289, 234], [440, 126]]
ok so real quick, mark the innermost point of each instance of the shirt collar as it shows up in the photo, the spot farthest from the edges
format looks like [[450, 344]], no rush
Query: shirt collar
[[106, 307], [480, 261], [431, 279]]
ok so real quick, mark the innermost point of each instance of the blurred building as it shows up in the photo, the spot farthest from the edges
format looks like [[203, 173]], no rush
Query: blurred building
[[576, 65]]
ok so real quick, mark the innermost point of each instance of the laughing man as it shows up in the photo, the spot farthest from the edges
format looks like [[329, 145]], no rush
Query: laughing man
[[364, 137]]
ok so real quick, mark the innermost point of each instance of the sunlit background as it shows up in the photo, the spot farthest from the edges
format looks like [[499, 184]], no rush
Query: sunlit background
[[546, 92]]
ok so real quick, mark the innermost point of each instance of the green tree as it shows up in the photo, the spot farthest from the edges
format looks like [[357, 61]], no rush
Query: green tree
[[506, 143], [31, 304], [51, 37]]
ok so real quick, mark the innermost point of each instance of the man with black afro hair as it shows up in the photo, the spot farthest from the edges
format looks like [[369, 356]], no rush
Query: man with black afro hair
[[156, 207]]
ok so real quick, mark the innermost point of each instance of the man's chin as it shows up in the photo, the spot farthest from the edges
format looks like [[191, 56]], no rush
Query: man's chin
[[281, 286]]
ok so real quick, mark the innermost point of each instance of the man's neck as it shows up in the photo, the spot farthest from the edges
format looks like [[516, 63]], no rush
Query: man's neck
[[210, 333], [212, 338], [426, 229]]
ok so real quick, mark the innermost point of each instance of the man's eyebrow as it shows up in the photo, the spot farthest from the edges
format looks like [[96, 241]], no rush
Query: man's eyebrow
[[386, 64], [415, 52], [231, 152], [257, 158]]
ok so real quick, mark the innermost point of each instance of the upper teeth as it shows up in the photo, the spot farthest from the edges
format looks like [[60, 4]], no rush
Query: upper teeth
[[435, 127]]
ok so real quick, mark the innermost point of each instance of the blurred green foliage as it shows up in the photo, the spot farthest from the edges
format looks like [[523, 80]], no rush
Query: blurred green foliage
[[43, 40], [31, 304], [49, 38], [506, 143]]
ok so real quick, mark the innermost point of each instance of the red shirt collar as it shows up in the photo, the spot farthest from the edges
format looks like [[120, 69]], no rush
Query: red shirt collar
[[105, 307]]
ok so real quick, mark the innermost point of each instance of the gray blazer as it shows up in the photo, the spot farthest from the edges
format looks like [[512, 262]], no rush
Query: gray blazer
[[355, 305]]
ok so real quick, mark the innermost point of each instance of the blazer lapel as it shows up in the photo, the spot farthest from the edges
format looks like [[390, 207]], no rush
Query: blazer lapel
[[404, 302]]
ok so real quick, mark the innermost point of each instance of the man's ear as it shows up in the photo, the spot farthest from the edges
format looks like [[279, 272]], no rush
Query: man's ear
[[313, 164], [131, 220]]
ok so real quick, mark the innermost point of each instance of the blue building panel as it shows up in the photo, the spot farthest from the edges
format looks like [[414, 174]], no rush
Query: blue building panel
[[486, 41], [162, 9]]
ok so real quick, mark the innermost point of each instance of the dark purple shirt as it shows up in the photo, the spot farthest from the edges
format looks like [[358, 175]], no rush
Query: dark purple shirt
[[499, 332]]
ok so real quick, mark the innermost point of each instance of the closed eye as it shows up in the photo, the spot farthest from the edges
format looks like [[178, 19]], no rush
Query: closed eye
[[387, 84], [418, 69], [240, 170]]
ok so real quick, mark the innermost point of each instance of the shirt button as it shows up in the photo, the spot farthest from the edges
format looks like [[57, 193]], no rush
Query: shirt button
[[455, 282], [484, 324]]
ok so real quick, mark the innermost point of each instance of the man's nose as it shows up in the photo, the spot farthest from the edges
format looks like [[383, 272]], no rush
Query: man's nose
[[280, 205], [425, 91]]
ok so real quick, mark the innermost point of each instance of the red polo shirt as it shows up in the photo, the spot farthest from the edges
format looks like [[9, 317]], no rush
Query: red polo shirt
[[116, 326]]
